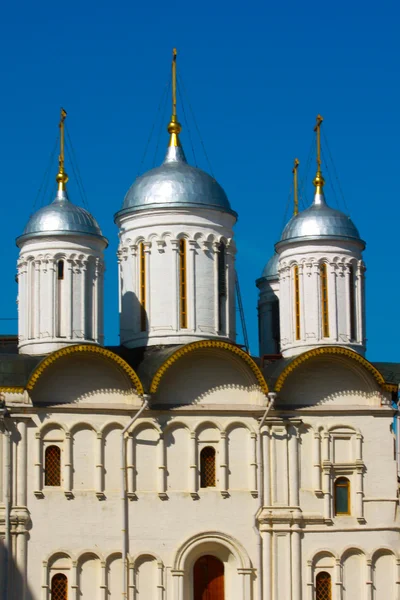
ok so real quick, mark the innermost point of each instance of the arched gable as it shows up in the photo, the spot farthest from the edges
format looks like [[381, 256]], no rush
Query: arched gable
[[85, 349], [86, 374], [331, 375], [331, 351], [208, 372], [209, 344]]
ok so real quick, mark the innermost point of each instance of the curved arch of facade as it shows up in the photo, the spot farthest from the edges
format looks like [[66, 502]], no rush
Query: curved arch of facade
[[227, 541], [110, 425], [212, 344], [82, 425], [85, 349], [59, 553], [329, 351], [145, 424], [116, 555], [342, 426], [52, 425], [324, 552], [383, 550], [235, 423], [177, 424], [208, 422], [352, 550], [89, 553], [134, 559]]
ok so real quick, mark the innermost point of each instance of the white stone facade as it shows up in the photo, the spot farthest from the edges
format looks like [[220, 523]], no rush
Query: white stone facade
[[270, 518]]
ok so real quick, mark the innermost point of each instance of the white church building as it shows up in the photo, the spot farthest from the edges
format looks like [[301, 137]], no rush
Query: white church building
[[177, 466]]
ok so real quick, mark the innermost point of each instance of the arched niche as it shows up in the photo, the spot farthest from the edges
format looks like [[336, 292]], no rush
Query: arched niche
[[84, 374]]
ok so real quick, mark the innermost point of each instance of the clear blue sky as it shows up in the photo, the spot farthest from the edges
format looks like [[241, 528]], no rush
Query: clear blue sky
[[256, 75]]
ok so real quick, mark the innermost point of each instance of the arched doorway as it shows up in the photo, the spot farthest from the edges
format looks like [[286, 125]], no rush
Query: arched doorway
[[208, 578]]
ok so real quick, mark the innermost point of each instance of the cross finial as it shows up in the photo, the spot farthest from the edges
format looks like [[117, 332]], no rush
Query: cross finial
[[174, 127], [62, 177], [319, 181], [295, 186]]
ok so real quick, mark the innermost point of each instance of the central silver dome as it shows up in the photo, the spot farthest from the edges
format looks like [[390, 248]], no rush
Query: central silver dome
[[175, 184], [320, 221], [61, 217]]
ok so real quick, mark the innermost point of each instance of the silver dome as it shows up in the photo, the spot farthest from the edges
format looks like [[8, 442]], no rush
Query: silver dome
[[61, 217], [175, 184], [320, 221], [270, 270]]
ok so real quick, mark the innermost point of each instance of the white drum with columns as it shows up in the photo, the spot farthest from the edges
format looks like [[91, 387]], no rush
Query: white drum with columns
[[60, 278]]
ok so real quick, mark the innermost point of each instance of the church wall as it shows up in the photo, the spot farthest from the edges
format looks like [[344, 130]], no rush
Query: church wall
[[167, 506]]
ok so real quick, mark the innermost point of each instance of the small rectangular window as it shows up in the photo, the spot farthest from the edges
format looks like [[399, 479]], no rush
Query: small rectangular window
[[342, 496], [207, 467], [52, 466]]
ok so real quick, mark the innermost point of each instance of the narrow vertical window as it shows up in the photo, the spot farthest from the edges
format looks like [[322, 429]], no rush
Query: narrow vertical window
[[323, 586], [221, 287], [297, 300], [59, 587], [207, 467], [60, 321], [182, 285], [60, 270], [352, 307], [142, 287], [324, 300], [342, 496], [52, 466]]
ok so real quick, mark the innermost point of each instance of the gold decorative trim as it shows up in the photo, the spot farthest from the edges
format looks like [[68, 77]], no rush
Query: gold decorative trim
[[208, 344], [327, 350], [12, 390], [82, 348]]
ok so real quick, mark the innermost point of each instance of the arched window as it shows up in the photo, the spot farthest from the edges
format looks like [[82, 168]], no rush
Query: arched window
[[208, 578], [59, 587], [323, 271], [182, 285], [52, 466], [296, 300], [352, 301], [60, 270], [221, 287], [207, 467], [323, 586], [342, 496], [142, 287]]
